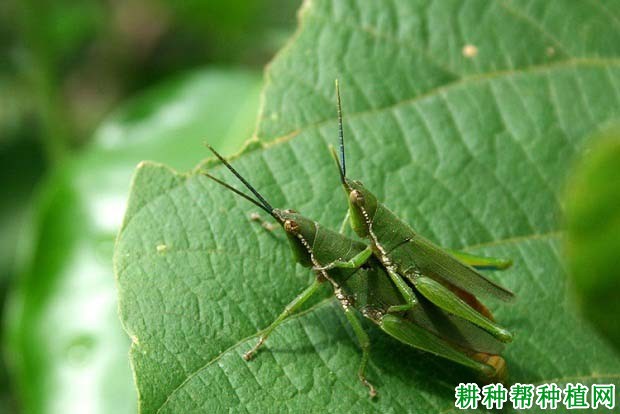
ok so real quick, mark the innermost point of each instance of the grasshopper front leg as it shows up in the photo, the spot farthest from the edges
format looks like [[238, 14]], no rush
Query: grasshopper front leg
[[288, 311], [353, 263], [361, 258], [405, 291]]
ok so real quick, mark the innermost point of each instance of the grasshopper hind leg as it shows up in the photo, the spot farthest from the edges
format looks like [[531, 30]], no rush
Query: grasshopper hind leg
[[417, 337]]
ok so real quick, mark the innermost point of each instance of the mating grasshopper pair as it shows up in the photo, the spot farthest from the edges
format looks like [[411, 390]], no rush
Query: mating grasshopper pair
[[420, 294]]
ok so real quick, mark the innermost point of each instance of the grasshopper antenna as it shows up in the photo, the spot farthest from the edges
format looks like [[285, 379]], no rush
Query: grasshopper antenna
[[266, 206], [332, 150], [240, 193], [342, 165]]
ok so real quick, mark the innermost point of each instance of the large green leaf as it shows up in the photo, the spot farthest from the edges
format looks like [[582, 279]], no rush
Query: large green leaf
[[463, 117]]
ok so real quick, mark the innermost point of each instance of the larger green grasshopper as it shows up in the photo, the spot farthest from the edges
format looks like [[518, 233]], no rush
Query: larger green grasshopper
[[448, 279], [360, 282]]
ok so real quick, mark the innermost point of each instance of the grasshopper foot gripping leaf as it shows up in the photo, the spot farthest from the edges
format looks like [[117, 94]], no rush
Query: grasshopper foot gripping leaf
[[500, 369]]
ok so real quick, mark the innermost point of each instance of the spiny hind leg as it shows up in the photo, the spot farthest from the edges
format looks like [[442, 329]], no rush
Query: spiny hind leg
[[288, 311], [446, 299], [481, 262], [364, 342]]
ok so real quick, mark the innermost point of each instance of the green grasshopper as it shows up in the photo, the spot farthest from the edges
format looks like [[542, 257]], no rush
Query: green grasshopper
[[360, 282], [448, 279]]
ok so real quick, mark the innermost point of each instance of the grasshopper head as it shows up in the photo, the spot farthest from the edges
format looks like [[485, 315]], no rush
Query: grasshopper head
[[295, 224], [362, 206], [300, 232]]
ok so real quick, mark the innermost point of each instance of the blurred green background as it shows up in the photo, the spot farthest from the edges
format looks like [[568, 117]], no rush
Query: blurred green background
[[592, 242], [88, 90]]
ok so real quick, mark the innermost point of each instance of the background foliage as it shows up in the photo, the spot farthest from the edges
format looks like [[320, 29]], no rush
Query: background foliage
[[593, 231]]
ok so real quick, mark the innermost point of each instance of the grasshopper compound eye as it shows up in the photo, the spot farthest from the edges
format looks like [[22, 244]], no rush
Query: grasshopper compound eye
[[356, 197], [291, 226]]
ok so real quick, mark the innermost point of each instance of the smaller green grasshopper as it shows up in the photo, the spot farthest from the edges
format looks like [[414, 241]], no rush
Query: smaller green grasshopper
[[361, 283], [448, 279]]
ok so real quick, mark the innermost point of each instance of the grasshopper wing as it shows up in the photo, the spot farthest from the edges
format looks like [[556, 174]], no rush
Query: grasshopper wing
[[433, 260]]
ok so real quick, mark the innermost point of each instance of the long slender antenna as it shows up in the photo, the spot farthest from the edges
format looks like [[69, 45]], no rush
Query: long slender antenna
[[248, 185], [332, 150], [240, 193], [340, 133]]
